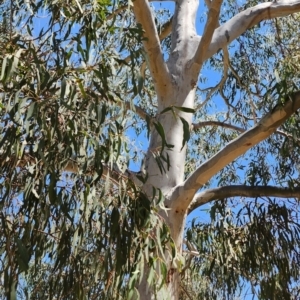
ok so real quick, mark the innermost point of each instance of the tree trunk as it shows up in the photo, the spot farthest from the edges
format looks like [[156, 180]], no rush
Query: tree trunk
[[182, 95], [175, 83], [176, 222]]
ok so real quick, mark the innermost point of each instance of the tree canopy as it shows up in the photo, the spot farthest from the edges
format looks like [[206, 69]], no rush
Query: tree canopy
[[81, 88]]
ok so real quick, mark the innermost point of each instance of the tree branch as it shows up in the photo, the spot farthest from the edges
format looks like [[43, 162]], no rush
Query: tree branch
[[182, 195], [71, 166], [116, 12], [157, 66], [220, 85], [217, 123], [211, 24], [165, 31], [113, 173], [242, 191], [141, 112], [246, 19], [288, 136]]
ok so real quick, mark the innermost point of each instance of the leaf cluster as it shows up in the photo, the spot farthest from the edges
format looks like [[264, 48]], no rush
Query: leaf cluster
[[73, 225], [255, 246]]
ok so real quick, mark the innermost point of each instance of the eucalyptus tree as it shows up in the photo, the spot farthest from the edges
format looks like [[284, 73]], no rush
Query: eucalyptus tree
[[82, 83]]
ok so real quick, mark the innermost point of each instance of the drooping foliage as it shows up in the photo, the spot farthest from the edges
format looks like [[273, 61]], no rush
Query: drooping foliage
[[251, 249], [73, 222], [64, 97]]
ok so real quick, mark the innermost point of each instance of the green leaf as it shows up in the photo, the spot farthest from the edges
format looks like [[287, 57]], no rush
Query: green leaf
[[185, 109], [63, 88], [166, 109], [115, 216], [159, 128], [186, 132], [140, 85], [22, 256], [148, 123], [5, 72], [30, 111], [161, 132]]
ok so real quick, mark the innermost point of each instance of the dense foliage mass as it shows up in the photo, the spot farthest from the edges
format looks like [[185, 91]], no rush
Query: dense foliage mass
[[77, 105], [66, 234]]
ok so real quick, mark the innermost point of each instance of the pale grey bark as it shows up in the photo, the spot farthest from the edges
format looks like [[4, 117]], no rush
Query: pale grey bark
[[183, 194], [212, 23], [224, 192], [158, 68], [248, 18]]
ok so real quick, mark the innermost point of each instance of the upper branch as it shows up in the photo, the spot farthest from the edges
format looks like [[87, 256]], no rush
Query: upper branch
[[217, 123], [112, 172], [248, 18], [242, 191], [141, 112], [151, 42], [182, 194], [72, 166], [211, 24], [165, 32], [166, 29]]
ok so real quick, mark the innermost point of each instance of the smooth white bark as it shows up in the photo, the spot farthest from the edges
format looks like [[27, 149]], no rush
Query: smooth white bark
[[181, 93], [212, 23], [248, 18], [158, 68], [182, 195], [224, 192]]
